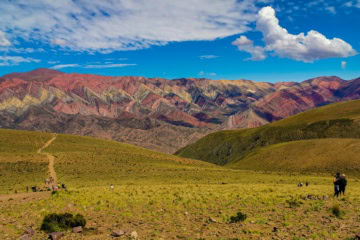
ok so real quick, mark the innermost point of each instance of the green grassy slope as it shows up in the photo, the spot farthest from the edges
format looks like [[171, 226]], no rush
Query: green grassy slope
[[20, 165], [340, 120], [83, 161], [316, 155]]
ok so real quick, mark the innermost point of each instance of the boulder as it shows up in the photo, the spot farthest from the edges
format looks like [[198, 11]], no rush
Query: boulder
[[118, 233], [78, 229], [56, 235], [134, 235]]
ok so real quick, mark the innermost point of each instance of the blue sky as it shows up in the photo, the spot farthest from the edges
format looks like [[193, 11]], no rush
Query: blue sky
[[259, 40]]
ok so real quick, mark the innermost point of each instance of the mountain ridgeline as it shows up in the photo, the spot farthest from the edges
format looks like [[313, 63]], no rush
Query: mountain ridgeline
[[292, 144], [156, 113]]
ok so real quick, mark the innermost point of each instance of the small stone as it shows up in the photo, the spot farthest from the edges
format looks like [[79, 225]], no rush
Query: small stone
[[118, 233], [134, 235], [212, 220], [29, 232], [25, 237], [56, 235], [78, 229]]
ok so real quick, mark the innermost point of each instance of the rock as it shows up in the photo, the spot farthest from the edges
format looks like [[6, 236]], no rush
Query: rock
[[29, 232], [212, 220], [25, 237], [134, 235], [118, 233], [275, 229], [56, 235], [78, 229]]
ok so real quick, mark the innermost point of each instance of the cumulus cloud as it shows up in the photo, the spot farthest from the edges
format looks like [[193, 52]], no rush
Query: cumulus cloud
[[343, 64], [15, 60], [110, 25], [247, 45], [208, 56], [302, 47], [4, 42]]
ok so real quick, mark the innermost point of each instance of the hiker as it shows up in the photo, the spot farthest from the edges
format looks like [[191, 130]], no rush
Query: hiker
[[300, 184], [337, 185], [27, 189], [52, 186], [307, 183], [63, 186], [342, 185]]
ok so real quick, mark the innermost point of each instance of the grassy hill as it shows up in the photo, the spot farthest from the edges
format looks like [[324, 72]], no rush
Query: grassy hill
[[238, 148], [84, 161], [20, 165], [161, 196]]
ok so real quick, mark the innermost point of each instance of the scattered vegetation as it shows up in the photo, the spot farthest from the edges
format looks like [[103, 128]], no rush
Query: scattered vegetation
[[240, 217], [62, 222], [20, 165], [335, 209]]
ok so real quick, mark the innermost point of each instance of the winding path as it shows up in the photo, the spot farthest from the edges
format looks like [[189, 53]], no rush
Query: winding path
[[51, 158], [36, 195]]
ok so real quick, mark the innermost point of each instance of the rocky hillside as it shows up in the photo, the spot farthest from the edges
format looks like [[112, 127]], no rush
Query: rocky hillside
[[155, 113]]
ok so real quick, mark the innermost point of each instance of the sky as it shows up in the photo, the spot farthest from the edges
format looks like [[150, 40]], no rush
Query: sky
[[261, 40]]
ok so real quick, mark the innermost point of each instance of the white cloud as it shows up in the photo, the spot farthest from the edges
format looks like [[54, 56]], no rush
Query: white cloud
[[4, 42], [110, 25], [301, 47], [245, 44], [15, 60], [208, 56], [343, 64], [348, 4], [109, 65], [202, 73], [61, 66], [331, 9]]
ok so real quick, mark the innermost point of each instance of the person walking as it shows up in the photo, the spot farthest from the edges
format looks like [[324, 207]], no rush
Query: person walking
[[337, 185], [342, 185]]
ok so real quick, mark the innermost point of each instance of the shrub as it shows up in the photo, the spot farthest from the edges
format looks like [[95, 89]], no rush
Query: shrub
[[293, 203], [240, 217], [61, 222], [335, 209]]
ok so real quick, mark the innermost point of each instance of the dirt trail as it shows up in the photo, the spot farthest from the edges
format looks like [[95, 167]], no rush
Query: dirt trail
[[51, 158], [35, 195]]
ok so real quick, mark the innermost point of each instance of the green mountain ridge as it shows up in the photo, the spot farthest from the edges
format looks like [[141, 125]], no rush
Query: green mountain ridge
[[250, 148]]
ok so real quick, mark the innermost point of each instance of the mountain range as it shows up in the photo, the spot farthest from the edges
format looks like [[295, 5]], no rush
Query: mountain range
[[156, 113]]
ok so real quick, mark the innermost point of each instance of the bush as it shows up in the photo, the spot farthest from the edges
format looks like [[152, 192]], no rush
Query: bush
[[336, 210], [240, 217], [61, 222]]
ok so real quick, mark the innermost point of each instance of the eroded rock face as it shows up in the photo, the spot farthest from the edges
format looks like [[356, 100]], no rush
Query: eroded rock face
[[149, 111]]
